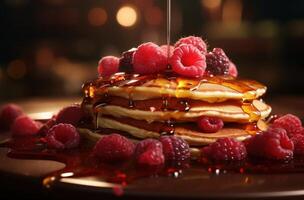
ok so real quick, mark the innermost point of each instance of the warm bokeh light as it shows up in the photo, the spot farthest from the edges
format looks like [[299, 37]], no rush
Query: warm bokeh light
[[97, 16], [154, 16], [44, 57], [126, 16], [211, 4], [16, 69], [232, 12]]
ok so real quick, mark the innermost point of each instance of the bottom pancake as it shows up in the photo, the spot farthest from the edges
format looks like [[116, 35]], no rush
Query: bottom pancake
[[190, 134], [93, 137]]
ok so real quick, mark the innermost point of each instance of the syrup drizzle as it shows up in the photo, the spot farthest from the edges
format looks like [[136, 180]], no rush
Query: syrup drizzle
[[96, 92]]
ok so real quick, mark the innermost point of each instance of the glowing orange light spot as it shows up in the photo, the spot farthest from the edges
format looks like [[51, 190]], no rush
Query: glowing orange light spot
[[232, 12], [211, 4], [97, 16], [126, 16]]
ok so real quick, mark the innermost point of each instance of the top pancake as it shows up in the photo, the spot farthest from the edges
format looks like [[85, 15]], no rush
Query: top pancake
[[209, 89]]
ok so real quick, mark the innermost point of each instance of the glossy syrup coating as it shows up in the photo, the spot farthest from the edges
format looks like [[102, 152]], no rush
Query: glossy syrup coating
[[96, 93]]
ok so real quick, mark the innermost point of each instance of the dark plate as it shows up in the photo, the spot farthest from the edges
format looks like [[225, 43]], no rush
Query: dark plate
[[195, 183]]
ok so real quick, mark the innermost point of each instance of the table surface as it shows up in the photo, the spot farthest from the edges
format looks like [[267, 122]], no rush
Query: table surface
[[28, 179]]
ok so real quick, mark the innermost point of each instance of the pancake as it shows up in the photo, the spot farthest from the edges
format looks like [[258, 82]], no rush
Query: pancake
[[192, 136], [210, 89], [95, 136], [148, 106], [227, 112]]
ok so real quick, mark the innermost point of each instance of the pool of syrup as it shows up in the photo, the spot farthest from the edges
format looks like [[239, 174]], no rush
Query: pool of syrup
[[80, 162]]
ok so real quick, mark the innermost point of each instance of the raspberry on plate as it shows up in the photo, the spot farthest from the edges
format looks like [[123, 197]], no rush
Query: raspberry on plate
[[176, 150], [225, 149], [114, 148], [70, 115], [108, 66], [188, 61], [217, 62], [149, 59], [8, 114], [273, 144], [24, 126], [126, 61], [62, 136], [291, 123], [149, 152], [47, 126], [232, 70], [210, 124], [298, 142], [195, 41]]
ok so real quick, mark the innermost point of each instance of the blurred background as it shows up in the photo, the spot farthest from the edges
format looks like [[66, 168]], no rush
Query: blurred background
[[50, 47]]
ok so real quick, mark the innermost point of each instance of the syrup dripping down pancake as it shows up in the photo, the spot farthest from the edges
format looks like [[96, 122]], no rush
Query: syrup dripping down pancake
[[210, 89]]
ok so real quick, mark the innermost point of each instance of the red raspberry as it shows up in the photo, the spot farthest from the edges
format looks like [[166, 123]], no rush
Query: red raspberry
[[188, 61], [298, 142], [70, 115], [62, 136], [149, 58], [195, 41], [225, 149], [149, 152], [47, 126], [108, 66], [8, 114], [232, 70], [165, 50], [291, 123], [114, 148], [217, 62], [24, 126], [176, 150], [273, 144], [126, 61], [210, 124]]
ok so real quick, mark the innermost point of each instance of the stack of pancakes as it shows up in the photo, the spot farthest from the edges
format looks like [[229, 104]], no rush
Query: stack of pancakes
[[148, 106]]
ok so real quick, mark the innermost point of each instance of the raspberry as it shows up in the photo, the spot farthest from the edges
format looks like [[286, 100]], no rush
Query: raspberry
[[225, 149], [195, 41], [47, 126], [24, 126], [298, 142], [291, 123], [114, 148], [70, 115], [8, 114], [165, 50], [149, 152], [188, 61], [62, 136], [273, 144], [126, 61], [149, 58], [232, 70], [210, 124], [108, 65], [217, 62], [176, 150]]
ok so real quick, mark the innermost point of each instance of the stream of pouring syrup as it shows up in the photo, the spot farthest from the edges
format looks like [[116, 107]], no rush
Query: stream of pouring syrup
[[168, 28]]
